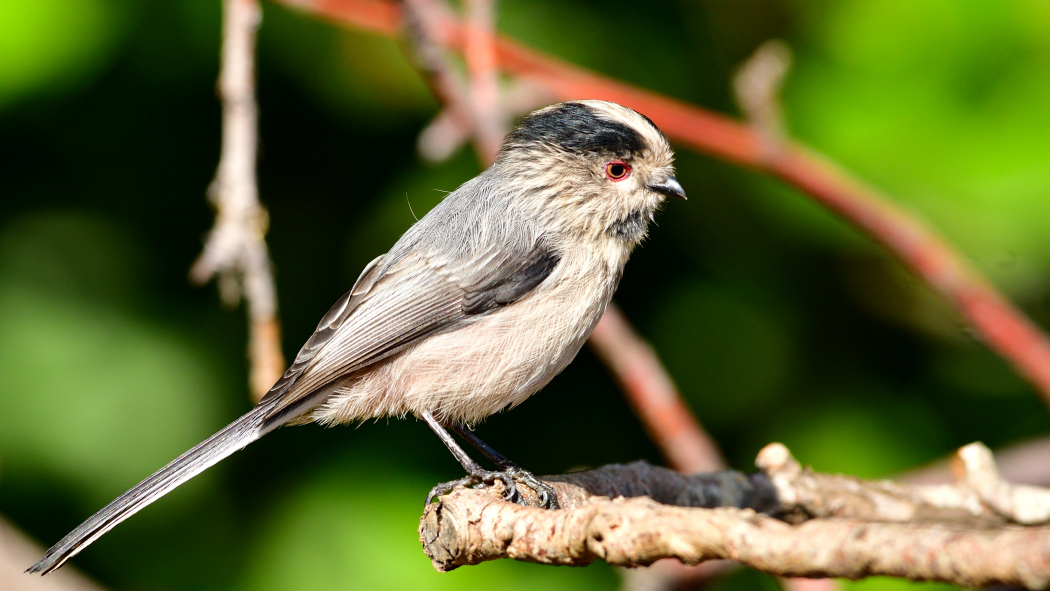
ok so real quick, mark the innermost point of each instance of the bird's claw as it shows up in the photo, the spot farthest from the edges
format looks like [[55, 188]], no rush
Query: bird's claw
[[510, 478], [478, 480], [544, 492]]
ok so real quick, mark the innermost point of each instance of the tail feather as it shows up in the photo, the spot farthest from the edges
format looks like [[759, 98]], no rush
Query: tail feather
[[232, 438]]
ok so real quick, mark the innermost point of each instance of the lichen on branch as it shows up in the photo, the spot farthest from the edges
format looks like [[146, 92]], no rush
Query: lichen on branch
[[782, 520]]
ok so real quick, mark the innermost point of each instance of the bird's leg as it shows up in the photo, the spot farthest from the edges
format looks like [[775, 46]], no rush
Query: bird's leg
[[544, 491], [475, 473]]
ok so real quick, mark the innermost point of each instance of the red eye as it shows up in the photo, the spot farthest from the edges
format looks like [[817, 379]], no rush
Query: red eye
[[617, 171]]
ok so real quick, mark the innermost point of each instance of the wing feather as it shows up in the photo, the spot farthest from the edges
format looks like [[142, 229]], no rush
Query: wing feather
[[327, 328], [393, 306]]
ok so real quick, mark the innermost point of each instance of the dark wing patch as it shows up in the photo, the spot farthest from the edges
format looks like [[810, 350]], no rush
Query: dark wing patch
[[511, 283]]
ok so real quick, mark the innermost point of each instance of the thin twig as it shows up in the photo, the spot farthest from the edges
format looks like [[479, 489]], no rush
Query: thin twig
[[480, 56], [1024, 462], [649, 389], [424, 23], [445, 134], [1006, 329], [471, 106], [236, 250], [1019, 503], [757, 85]]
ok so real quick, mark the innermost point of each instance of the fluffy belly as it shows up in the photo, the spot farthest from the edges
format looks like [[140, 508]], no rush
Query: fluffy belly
[[495, 362]]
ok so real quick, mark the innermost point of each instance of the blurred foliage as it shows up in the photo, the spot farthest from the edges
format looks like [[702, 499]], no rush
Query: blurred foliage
[[340, 527], [55, 44], [778, 321]]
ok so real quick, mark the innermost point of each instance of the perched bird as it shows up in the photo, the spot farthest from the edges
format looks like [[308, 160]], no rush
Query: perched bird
[[478, 305]]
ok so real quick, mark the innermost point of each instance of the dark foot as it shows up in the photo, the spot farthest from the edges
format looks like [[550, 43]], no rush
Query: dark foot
[[545, 492], [510, 478], [480, 477]]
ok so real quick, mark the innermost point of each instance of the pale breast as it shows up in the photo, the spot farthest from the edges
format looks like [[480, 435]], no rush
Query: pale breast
[[496, 362]]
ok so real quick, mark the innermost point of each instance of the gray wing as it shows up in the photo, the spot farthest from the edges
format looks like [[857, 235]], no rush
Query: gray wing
[[331, 322], [393, 306]]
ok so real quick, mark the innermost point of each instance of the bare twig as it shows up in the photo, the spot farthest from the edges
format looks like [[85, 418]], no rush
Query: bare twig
[[757, 88], [1025, 462], [425, 21], [480, 54], [445, 134], [236, 250], [861, 529], [804, 494], [440, 139], [472, 527], [1019, 503], [474, 106], [1006, 330]]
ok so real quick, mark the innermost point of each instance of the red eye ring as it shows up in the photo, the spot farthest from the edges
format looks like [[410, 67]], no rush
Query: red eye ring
[[617, 170]]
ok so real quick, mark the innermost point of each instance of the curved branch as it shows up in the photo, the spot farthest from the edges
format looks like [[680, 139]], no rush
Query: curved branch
[[1005, 328], [471, 526], [830, 525]]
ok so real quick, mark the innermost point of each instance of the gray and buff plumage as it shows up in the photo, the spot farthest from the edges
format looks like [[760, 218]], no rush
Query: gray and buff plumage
[[475, 308]]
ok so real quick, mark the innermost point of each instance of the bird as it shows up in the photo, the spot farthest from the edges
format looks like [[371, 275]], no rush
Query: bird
[[475, 308]]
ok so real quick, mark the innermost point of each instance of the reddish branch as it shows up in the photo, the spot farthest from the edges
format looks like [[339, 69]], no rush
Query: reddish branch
[[1005, 328], [480, 55], [649, 389], [473, 107], [236, 251]]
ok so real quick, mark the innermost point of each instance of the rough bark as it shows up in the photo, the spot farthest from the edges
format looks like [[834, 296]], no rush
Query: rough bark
[[783, 520]]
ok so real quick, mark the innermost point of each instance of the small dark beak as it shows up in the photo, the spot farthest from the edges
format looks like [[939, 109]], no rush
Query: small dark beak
[[670, 187]]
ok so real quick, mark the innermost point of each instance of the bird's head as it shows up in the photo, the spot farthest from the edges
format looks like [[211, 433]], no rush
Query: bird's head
[[591, 168]]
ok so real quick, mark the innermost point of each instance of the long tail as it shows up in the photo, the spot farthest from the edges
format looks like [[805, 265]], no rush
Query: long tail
[[232, 438]]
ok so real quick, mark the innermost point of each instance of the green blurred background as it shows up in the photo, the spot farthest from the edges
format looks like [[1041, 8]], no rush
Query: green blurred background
[[778, 321]]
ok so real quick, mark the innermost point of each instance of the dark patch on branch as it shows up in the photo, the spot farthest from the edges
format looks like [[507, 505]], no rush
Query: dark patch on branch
[[840, 526]]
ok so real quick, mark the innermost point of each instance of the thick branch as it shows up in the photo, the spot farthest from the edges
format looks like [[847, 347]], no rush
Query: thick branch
[[472, 526], [236, 250], [1006, 330], [833, 526]]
